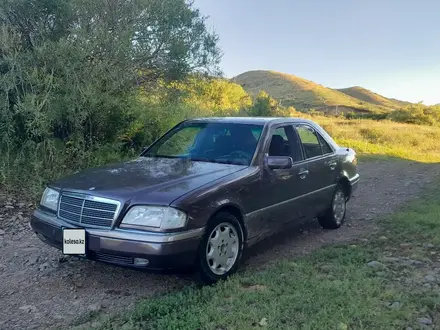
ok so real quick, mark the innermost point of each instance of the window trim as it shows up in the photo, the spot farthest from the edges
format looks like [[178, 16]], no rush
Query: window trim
[[331, 148], [271, 132], [322, 156]]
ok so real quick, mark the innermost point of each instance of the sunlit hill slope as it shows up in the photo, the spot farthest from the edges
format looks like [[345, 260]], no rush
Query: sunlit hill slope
[[304, 94]]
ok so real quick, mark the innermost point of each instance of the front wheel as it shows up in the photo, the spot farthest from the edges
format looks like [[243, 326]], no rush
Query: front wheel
[[335, 214], [221, 248]]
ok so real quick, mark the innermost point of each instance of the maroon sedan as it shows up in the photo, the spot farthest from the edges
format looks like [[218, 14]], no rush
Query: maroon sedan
[[200, 194]]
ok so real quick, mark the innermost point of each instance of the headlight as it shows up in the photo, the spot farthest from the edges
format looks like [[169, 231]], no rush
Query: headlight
[[155, 216], [50, 199]]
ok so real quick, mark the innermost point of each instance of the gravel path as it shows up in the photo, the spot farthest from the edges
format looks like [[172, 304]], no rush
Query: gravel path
[[41, 289]]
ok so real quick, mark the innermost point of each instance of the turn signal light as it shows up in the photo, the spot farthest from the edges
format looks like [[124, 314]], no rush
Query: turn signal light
[[141, 262]]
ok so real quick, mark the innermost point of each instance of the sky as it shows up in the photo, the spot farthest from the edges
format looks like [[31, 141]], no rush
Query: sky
[[391, 47]]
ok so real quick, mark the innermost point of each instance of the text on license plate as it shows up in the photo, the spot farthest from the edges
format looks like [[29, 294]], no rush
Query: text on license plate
[[74, 241]]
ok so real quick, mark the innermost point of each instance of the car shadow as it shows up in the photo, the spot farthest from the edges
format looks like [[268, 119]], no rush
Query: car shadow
[[287, 234], [265, 247]]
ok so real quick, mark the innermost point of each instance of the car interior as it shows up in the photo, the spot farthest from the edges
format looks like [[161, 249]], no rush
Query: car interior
[[279, 146], [235, 143], [289, 146], [312, 150]]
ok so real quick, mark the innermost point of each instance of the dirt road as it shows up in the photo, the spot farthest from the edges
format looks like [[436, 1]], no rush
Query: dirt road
[[41, 289]]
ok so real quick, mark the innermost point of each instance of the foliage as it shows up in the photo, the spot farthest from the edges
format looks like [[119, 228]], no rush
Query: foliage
[[384, 137], [266, 106], [168, 103], [357, 115], [417, 114], [221, 96], [70, 73]]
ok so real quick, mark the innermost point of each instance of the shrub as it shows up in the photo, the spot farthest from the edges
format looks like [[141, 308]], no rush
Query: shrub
[[70, 75]]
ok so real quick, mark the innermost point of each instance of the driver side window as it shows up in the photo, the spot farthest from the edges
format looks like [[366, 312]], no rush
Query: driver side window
[[279, 146], [284, 143]]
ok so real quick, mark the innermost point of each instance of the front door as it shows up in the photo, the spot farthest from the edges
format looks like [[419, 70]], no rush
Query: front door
[[283, 188]]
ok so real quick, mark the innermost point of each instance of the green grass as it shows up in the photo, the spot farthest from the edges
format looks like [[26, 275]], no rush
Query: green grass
[[304, 94], [420, 221], [412, 142], [333, 288]]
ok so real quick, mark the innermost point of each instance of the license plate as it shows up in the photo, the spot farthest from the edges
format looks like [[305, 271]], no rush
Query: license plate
[[74, 241]]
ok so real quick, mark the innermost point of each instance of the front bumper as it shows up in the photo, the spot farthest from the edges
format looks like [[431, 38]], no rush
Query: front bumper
[[354, 182], [121, 247]]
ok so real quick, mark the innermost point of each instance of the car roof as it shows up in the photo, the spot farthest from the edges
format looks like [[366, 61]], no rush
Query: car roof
[[249, 120]]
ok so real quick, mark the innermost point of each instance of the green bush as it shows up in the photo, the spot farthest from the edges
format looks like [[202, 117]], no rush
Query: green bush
[[70, 75], [417, 114]]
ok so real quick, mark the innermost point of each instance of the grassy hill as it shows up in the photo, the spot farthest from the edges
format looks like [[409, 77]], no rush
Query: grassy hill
[[304, 94], [366, 95]]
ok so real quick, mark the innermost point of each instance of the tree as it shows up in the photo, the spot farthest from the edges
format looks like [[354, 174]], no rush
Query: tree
[[220, 96], [70, 70], [166, 38], [76, 64], [264, 105]]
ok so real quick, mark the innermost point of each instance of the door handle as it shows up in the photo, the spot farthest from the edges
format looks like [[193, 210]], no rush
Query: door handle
[[302, 174], [332, 165]]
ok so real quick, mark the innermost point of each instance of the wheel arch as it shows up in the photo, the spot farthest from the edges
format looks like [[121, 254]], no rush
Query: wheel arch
[[345, 184], [237, 212]]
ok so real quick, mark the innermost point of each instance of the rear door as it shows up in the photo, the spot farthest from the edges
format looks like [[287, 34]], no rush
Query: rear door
[[322, 163]]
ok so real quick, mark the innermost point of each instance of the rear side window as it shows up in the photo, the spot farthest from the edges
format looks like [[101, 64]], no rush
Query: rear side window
[[326, 149], [310, 142]]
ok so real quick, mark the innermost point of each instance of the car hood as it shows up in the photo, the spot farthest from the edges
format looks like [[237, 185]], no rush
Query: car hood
[[146, 180]]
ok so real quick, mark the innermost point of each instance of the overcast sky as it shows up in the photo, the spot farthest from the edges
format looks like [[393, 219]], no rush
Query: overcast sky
[[389, 46]]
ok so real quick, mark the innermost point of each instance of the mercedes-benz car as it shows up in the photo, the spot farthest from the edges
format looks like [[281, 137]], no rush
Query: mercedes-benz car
[[200, 194]]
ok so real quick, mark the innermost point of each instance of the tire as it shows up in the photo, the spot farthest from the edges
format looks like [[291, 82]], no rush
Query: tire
[[212, 257], [334, 217]]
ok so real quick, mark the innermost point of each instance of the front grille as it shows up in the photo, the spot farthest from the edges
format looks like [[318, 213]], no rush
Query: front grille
[[110, 258], [87, 210]]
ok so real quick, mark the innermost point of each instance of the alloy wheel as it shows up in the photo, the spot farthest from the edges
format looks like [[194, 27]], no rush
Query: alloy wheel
[[339, 206], [222, 248]]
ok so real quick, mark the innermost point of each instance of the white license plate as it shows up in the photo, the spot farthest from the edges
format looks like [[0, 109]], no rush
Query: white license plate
[[74, 241]]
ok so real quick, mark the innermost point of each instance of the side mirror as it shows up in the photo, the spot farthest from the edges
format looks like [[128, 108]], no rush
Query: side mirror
[[279, 162]]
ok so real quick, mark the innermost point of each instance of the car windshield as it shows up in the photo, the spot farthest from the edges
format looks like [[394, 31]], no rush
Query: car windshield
[[227, 143]]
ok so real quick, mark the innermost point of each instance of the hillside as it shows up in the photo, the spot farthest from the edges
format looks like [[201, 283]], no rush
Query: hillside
[[303, 94], [366, 95]]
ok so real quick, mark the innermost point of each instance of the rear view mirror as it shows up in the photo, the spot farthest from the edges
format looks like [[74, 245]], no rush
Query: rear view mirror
[[279, 162]]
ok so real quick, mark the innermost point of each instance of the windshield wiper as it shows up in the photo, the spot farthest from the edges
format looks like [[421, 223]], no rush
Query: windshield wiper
[[230, 162], [198, 159], [161, 156], [216, 161]]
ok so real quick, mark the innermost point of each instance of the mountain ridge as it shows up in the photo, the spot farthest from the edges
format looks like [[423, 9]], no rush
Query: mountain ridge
[[303, 94]]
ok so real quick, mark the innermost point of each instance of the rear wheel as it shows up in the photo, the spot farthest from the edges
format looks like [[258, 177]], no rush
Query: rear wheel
[[335, 214], [221, 248]]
